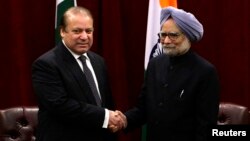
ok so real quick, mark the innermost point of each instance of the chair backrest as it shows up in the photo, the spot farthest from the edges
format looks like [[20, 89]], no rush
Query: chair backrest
[[231, 113], [18, 124]]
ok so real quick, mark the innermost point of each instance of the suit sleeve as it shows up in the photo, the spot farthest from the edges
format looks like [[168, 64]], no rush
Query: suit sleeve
[[54, 99], [207, 103]]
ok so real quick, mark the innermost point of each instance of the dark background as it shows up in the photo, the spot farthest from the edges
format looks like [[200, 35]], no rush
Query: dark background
[[27, 31]]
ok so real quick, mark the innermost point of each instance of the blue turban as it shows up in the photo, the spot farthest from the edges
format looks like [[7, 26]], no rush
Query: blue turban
[[189, 25]]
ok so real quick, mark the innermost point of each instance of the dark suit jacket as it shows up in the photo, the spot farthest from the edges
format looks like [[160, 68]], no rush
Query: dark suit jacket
[[67, 108], [179, 100]]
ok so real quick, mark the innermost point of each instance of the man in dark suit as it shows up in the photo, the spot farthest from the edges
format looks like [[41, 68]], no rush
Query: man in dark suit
[[180, 95], [69, 110]]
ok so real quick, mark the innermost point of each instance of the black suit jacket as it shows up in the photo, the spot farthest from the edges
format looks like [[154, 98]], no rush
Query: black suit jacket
[[67, 108], [179, 100]]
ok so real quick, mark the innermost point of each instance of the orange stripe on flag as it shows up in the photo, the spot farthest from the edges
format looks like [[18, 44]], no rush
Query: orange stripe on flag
[[165, 3]]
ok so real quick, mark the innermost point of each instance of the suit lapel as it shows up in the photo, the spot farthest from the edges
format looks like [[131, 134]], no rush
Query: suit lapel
[[98, 72], [73, 69]]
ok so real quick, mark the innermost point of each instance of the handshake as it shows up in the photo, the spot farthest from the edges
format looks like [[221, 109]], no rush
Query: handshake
[[117, 121]]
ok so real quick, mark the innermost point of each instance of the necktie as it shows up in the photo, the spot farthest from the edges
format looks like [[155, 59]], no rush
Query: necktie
[[90, 80]]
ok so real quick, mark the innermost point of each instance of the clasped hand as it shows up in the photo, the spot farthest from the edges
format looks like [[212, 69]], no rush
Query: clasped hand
[[117, 121]]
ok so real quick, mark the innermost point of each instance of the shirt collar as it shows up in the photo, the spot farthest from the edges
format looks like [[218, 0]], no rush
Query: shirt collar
[[76, 56]]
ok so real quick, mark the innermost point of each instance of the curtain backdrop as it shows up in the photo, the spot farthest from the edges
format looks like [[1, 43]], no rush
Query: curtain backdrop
[[27, 31], [226, 43]]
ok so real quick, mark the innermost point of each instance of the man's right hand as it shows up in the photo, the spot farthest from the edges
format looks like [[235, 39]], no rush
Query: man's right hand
[[117, 121]]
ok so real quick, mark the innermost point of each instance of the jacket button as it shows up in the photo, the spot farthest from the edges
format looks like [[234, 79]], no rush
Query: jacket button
[[157, 122], [160, 104], [165, 85]]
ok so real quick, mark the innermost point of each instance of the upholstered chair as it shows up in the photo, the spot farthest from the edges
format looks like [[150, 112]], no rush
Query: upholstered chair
[[18, 124], [231, 113]]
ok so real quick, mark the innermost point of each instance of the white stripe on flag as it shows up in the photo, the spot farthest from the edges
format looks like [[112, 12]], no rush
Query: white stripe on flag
[[153, 28], [57, 3]]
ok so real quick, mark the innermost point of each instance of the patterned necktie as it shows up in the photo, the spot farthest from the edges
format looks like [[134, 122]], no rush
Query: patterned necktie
[[90, 80]]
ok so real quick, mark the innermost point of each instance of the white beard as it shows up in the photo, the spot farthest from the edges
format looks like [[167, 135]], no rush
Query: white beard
[[172, 50]]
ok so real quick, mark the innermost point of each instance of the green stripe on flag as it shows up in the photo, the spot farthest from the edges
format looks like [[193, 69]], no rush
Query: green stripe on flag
[[144, 132], [61, 8]]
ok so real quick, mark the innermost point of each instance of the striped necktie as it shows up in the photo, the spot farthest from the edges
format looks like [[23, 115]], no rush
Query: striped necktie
[[90, 80]]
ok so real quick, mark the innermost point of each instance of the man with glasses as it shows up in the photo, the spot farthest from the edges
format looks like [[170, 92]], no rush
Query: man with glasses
[[180, 95]]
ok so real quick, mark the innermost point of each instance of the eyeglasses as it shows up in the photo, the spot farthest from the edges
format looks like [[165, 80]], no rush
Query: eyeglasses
[[171, 35]]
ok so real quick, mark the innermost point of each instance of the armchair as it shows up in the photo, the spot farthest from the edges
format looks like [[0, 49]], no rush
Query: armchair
[[231, 113], [18, 124]]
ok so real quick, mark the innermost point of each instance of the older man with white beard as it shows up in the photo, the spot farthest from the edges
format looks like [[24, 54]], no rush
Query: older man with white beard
[[180, 95]]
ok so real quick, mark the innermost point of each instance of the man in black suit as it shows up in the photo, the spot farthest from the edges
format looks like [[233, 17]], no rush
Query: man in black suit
[[68, 108], [180, 95]]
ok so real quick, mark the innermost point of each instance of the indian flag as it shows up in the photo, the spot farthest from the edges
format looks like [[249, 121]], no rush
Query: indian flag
[[61, 7], [153, 47]]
